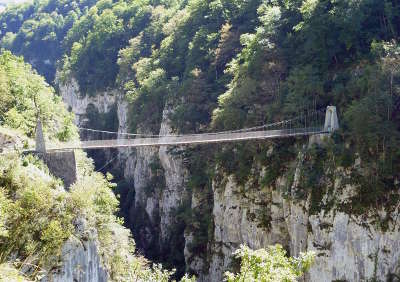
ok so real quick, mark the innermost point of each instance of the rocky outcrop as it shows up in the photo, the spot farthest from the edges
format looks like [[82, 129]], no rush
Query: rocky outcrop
[[348, 247], [244, 215], [154, 202], [352, 250], [197, 262], [175, 193], [80, 257], [158, 179], [79, 103], [80, 262]]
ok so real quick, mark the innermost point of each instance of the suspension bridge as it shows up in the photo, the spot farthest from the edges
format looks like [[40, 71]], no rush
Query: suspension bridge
[[311, 123]]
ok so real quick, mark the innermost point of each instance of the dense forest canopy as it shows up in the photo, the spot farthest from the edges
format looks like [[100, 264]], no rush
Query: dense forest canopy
[[235, 54], [37, 30]]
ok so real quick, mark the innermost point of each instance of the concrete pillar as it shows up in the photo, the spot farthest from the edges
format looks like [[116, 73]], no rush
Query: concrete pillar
[[331, 119], [62, 165], [40, 143]]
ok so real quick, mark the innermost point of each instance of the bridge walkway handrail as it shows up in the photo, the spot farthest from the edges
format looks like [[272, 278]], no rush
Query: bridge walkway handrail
[[205, 138]]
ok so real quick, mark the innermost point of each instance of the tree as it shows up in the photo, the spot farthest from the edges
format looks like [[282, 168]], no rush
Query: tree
[[24, 95], [270, 265]]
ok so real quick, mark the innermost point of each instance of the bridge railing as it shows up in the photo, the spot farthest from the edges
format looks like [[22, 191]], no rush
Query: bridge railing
[[307, 123], [191, 139]]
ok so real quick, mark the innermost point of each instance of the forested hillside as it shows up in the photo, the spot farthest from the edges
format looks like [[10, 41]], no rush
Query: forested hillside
[[25, 97], [228, 64]]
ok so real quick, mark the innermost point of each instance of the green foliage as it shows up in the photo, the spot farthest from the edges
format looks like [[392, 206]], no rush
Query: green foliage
[[102, 121], [10, 273], [177, 51], [37, 30], [5, 204], [270, 264], [24, 96], [141, 272], [237, 160], [156, 182], [247, 101], [35, 216], [146, 96], [316, 179], [94, 41]]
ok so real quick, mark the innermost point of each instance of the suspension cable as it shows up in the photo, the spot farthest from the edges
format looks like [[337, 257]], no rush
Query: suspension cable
[[284, 123], [107, 164]]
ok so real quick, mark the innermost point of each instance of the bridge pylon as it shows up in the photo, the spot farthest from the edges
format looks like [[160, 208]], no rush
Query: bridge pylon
[[61, 164], [40, 143], [331, 119]]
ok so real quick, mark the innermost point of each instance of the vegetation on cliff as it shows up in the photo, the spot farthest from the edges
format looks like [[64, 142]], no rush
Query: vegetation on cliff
[[25, 97], [248, 62], [38, 217], [270, 264]]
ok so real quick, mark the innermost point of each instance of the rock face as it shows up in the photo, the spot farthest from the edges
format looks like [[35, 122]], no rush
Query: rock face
[[80, 262], [244, 216], [348, 247], [80, 259], [175, 193], [349, 251], [158, 179], [9, 140], [153, 204], [78, 104]]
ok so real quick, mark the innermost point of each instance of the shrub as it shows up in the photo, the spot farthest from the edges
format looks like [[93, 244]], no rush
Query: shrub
[[270, 264]]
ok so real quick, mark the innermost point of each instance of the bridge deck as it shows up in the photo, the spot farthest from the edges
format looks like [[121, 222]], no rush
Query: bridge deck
[[189, 139]]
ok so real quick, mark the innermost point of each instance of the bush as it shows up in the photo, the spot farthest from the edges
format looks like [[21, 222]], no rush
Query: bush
[[270, 264]]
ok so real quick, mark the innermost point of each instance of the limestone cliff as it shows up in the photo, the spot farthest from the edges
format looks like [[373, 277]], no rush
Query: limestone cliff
[[78, 104], [80, 262], [348, 247], [156, 176]]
